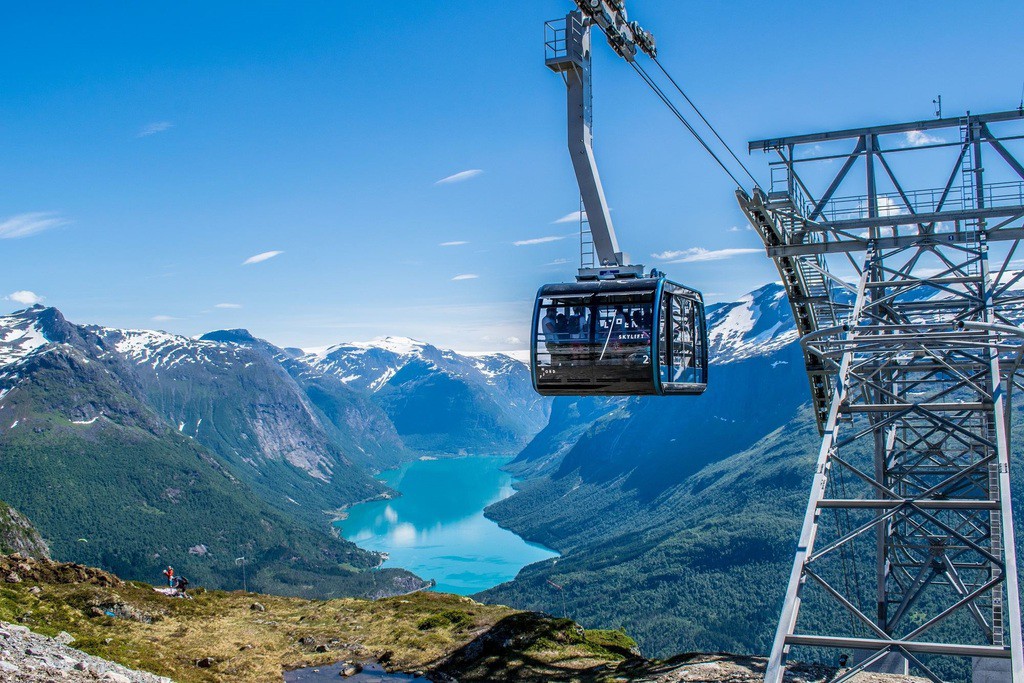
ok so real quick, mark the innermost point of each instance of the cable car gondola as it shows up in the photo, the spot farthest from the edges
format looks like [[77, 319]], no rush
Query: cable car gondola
[[637, 336], [616, 330]]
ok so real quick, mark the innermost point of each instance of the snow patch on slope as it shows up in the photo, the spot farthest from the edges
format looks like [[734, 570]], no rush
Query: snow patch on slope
[[163, 350], [19, 337], [371, 365], [759, 324]]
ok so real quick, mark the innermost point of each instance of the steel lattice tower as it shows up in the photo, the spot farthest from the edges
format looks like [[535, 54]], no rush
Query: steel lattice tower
[[912, 342]]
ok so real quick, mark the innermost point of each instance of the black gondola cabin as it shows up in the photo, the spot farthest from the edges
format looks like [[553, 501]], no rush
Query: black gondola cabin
[[640, 336]]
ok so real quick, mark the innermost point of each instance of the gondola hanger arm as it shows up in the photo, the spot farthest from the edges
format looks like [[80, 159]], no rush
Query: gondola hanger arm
[[572, 59]]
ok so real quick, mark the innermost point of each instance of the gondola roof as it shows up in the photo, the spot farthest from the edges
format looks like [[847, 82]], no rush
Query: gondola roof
[[587, 287]]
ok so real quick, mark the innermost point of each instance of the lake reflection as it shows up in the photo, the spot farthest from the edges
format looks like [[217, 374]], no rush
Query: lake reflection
[[437, 528]]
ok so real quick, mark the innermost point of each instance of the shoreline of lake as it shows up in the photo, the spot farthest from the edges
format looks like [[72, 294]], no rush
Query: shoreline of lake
[[437, 528]]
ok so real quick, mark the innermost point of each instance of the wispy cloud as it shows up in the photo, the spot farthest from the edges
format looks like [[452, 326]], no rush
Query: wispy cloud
[[542, 240], [163, 318], [154, 128], [573, 217], [228, 306], [31, 223], [558, 262], [812, 151], [459, 177], [465, 276], [456, 243], [260, 258], [917, 138], [24, 297], [701, 254]]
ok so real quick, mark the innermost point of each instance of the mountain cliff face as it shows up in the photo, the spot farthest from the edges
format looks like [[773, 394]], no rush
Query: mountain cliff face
[[17, 535], [239, 402], [131, 449], [756, 383], [439, 401]]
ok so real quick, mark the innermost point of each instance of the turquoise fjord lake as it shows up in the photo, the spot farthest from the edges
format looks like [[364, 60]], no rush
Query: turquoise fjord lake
[[437, 529]]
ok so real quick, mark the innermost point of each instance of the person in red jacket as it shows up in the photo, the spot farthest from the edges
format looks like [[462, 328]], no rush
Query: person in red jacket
[[169, 573]]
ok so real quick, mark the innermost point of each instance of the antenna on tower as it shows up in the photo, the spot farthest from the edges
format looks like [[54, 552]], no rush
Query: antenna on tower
[[938, 106]]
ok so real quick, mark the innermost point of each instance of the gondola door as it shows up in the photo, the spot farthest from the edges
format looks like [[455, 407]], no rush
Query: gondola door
[[682, 361]]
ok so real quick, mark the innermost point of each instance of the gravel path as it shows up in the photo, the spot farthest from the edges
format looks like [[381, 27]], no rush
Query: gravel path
[[27, 657]]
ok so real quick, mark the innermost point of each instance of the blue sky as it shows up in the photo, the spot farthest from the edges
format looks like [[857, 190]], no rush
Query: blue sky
[[147, 150]]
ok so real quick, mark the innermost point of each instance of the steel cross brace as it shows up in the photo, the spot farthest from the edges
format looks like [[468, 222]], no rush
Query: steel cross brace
[[933, 455]]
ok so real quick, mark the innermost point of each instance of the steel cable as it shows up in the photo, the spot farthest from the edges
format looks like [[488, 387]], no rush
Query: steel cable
[[682, 119], [668, 103], [704, 119]]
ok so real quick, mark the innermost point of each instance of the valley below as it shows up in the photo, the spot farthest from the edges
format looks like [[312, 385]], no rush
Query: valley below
[[670, 520]]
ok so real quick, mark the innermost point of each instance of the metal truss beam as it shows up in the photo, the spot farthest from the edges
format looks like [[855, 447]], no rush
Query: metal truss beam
[[928, 124], [910, 373], [841, 246]]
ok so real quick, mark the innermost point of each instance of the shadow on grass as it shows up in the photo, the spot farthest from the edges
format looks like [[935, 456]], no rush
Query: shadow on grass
[[532, 647]]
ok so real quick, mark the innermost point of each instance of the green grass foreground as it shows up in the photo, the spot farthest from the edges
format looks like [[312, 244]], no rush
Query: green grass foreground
[[253, 637]]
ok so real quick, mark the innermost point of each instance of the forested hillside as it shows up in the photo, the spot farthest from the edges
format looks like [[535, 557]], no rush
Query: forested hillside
[[674, 516], [134, 449], [702, 566]]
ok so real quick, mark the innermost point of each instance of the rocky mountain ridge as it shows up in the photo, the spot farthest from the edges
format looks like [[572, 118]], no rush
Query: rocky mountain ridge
[[476, 400]]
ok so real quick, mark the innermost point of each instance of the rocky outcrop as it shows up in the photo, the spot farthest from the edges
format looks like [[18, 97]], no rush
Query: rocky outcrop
[[28, 657], [18, 568], [17, 535]]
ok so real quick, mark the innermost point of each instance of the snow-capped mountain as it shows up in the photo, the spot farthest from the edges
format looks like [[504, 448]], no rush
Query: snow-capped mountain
[[760, 323], [162, 351], [439, 400], [369, 365], [154, 443], [20, 335]]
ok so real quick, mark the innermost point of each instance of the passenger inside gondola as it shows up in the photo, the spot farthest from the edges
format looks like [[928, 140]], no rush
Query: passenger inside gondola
[[562, 327], [601, 338], [549, 324], [579, 324]]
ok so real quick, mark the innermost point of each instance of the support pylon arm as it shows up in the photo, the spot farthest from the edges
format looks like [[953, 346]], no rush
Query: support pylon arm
[[570, 56]]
